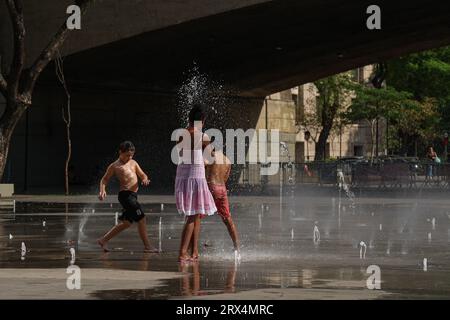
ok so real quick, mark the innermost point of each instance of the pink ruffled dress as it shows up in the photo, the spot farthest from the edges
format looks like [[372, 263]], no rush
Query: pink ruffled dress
[[191, 188]]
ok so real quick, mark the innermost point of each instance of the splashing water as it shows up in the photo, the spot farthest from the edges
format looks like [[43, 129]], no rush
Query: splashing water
[[83, 221], [200, 88], [160, 234], [237, 257], [425, 264], [316, 234], [259, 221], [23, 251], [362, 253], [72, 254], [344, 186]]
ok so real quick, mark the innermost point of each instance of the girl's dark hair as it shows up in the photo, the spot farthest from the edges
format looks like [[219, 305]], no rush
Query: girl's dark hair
[[126, 146], [197, 113]]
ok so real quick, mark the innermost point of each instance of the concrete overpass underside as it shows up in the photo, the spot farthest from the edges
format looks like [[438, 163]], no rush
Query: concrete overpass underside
[[264, 48]]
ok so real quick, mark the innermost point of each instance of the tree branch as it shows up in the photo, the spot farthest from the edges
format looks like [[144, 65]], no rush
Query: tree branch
[[3, 85], [49, 52], [16, 13]]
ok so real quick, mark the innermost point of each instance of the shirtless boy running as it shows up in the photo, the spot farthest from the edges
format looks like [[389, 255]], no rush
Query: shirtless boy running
[[127, 172]]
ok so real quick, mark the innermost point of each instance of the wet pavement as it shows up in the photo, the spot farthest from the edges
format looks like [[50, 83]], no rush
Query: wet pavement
[[280, 259]]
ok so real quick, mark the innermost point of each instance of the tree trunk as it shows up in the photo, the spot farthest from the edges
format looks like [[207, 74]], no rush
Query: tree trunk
[[8, 122], [328, 114], [4, 148], [322, 142]]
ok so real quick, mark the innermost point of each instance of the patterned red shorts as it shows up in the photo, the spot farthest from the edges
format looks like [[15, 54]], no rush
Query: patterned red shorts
[[219, 193]]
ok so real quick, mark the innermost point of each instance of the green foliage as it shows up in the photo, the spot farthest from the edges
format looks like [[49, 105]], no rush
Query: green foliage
[[426, 76], [334, 92], [371, 103]]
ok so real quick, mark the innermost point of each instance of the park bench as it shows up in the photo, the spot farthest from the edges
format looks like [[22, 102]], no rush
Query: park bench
[[7, 203]]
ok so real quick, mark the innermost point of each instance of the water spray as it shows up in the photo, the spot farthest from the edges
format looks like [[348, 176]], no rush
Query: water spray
[[316, 234], [160, 234], [23, 251], [72, 254], [362, 253]]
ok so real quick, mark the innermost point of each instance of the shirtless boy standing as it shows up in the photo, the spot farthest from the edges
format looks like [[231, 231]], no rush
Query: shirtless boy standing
[[127, 172], [217, 175]]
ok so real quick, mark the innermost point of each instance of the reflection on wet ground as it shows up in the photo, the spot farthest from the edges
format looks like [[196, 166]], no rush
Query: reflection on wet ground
[[280, 258]]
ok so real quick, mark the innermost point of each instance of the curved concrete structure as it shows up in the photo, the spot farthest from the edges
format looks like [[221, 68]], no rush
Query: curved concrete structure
[[263, 48]]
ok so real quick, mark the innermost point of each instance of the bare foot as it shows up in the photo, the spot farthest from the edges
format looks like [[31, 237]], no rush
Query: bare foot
[[151, 250], [184, 258], [194, 257], [102, 244]]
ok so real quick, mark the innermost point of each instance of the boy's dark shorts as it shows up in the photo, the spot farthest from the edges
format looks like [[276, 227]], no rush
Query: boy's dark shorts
[[132, 210]]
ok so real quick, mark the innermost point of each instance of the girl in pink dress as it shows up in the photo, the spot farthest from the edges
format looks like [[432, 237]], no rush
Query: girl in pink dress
[[193, 197]]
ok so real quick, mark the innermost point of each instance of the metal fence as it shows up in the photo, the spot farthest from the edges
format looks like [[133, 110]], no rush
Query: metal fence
[[357, 174]]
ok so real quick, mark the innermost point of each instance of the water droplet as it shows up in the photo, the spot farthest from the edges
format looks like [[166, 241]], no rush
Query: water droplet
[[362, 250], [23, 249], [316, 234]]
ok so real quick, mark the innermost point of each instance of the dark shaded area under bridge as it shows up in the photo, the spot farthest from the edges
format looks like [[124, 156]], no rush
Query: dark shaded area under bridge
[[264, 48], [123, 75]]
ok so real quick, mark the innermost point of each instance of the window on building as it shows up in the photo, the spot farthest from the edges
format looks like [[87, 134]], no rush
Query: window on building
[[295, 99], [358, 151]]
